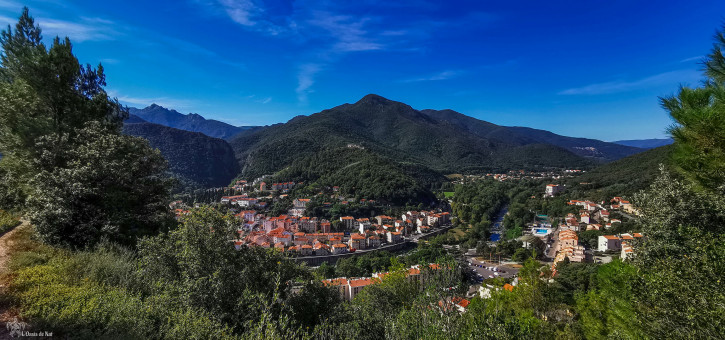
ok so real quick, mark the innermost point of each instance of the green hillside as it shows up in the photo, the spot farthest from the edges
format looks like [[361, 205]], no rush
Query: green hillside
[[394, 130], [625, 176], [192, 156], [363, 174]]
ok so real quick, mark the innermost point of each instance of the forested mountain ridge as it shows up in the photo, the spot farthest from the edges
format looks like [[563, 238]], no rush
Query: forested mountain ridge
[[523, 136], [394, 130], [626, 176], [193, 156], [190, 122], [364, 174], [646, 143]]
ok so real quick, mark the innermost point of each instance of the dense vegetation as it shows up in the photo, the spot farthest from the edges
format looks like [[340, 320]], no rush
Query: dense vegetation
[[522, 136], [7, 221], [623, 177], [193, 157], [65, 161], [192, 122], [90, 191], [394, 130], [362, 174]]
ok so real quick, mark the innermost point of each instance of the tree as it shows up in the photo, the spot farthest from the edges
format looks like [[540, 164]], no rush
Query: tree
[[64, 155], [110, 188]]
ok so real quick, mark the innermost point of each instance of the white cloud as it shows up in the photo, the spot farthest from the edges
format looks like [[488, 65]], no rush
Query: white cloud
[[87, 29], [673, 77], [697, 58], [305, 80], [438, 76], [241, 11]]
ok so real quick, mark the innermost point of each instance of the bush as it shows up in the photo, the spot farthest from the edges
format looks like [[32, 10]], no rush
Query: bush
[[7, 221]]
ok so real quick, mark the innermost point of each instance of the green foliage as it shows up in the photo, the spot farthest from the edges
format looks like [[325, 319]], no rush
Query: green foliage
[[203, 161], [680, 292], [478, 203], [608, 310], [623, 177], [62, 148], [365, 265], [699, 134], [109, 188], [395, 131], [7, 221], [363, 174]]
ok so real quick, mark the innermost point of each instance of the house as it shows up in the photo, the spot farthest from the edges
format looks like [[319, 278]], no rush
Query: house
[[348, 222], [567, 239], [355, 286], [300, 203], [627, 251], [553, 189], [342, 285], [609, 242], [373, 241], [325, 227], [306, 250], [395, 237], [339, 248], [357, 241], [604, 215], [383, 219], [363, 224], [321, 249], [585, 217]]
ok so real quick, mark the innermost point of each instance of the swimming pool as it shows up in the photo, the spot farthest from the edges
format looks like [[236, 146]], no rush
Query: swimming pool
[[541, 231]]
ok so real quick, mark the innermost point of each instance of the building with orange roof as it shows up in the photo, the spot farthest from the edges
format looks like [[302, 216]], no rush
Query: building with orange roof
[[355, 286], [339, 248], [609, 242], [357, 241]]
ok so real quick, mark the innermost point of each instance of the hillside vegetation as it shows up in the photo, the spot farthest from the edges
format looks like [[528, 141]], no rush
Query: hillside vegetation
[[396, 131], [626, 176], [192, 156], [364, 174]]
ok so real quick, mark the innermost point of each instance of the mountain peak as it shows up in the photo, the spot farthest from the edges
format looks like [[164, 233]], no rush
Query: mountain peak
[[373, 99], [154, 105]]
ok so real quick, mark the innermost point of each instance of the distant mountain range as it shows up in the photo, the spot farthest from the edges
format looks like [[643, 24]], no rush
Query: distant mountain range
[[190, 122], [646, 143], [415, 143], [516, 135], [446, 141], [195, 158]]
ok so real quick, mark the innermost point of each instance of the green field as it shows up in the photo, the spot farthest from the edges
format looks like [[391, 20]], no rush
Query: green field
[[448, 194]]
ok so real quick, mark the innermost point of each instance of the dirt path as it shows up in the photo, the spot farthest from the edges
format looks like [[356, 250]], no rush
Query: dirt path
[[5, 244], [7, 314]]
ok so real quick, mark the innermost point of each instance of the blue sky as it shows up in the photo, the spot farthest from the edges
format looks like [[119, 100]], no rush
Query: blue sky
[[579, 68]]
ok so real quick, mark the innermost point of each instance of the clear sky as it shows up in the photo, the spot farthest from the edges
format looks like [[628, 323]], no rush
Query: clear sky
[[579, 68]]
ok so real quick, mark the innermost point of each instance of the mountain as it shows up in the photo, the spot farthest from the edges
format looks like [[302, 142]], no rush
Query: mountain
[[626, 176], [398, 132], [646, 143], [193, 156], [190, 122], [364, 174], [516, 135], [133, 119]]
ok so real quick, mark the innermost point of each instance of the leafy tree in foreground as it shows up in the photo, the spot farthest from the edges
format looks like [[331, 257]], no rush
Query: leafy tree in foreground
[[110, 188], [63, 152]]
